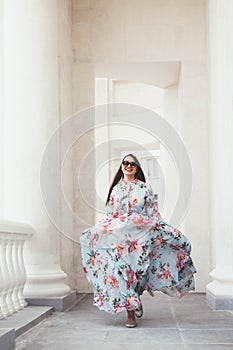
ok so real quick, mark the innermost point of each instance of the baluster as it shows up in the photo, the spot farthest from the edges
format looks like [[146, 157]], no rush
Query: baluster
[[1, 287], [5, 275], [12, 268], [15, 261], [22, 272], [12, 278]]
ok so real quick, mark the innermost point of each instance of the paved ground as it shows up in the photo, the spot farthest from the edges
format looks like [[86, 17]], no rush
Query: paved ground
[[167, 324]]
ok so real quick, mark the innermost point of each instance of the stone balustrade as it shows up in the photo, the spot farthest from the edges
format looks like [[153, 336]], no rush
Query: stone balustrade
[[12, 268]]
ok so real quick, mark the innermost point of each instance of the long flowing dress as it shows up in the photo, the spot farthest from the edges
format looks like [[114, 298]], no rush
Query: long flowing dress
[[133, 250]]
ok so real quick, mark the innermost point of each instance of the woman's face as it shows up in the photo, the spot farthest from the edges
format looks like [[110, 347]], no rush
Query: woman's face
[[128, 168]]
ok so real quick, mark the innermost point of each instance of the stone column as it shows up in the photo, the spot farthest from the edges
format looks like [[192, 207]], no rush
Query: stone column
[[1, 110], [220, 290], [32, 114]]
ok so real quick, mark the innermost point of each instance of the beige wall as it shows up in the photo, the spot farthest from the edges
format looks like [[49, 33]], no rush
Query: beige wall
[[145, 95], [64, 25], [129, 31]]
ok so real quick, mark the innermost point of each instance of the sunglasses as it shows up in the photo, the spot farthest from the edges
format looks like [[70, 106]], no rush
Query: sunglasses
[[126, 163]]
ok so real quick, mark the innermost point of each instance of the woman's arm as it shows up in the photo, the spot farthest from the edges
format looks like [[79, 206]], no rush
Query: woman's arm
[[110, 207]]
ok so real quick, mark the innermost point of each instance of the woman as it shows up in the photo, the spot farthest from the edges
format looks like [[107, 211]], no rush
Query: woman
[[133, 249]]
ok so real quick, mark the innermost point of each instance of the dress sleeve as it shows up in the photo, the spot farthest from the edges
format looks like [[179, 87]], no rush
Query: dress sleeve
[[150, 203], [111, 204], [110, 209]]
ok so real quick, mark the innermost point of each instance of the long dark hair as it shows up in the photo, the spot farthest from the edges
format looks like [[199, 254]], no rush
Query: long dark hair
[[119, 175]]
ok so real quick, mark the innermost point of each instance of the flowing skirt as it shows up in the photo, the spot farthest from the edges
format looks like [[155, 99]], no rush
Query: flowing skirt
[[125, 256]]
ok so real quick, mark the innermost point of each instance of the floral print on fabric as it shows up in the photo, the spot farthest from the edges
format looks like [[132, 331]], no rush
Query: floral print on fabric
[[133, 250]]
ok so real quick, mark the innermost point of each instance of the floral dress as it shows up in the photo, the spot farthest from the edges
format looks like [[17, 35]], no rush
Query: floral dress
[[133, 250]]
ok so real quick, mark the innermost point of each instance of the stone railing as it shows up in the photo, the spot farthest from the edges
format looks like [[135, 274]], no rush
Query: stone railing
[[12, 269]]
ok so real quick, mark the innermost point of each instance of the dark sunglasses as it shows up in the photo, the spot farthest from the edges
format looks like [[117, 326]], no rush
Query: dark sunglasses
[[125, 162]]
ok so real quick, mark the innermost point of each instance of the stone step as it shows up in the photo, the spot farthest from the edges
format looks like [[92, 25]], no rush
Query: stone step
[[20, 322], [7, 339]]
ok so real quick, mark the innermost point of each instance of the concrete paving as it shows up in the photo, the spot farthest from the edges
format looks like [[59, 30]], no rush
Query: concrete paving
[[167, 324]]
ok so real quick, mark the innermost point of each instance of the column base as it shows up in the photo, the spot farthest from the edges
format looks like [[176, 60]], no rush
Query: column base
[[45, 282], [218, 303], [219, 294], [58, 303]]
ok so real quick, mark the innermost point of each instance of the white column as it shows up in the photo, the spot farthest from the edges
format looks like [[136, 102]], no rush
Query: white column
[[220, 290], [32, 114], [1, 108]]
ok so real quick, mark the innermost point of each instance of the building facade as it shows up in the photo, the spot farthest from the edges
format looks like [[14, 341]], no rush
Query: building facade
[[60, 58]]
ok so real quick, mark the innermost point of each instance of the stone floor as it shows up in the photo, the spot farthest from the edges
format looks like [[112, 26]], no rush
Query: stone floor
[[167, 323]]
